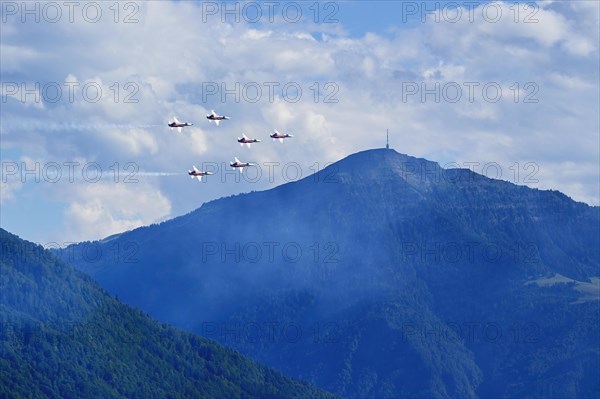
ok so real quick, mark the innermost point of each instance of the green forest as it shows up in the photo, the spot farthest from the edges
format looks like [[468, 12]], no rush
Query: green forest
[[62, 336]]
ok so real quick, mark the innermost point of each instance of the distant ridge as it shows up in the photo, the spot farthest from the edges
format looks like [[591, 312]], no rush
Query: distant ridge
[[406, 280]]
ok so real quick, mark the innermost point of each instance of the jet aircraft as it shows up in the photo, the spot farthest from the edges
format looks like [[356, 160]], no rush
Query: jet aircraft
[[198, 174], [239, 165], [178, 125], [280, 136], [247, 141], [214, 117]]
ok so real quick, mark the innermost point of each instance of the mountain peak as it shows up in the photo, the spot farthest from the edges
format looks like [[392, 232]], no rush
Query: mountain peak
[[382, 166], [384, 156]]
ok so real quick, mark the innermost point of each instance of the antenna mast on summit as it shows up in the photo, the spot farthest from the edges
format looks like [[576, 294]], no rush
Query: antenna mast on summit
[[387, 139]]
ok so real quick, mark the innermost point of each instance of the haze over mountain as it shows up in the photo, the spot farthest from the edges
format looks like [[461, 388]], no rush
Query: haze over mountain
[[382, 276], [65, 337]]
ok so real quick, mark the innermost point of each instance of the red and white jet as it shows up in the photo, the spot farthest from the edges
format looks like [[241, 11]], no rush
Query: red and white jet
[[246, 140], [239, 165], [178, 125], [214, 117], [198, 174], [280, 136]]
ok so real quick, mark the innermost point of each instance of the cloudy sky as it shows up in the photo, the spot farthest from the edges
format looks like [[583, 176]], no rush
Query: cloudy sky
[[509, 90]]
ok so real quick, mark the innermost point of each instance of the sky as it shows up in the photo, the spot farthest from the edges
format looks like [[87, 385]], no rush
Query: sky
[[509, 90]]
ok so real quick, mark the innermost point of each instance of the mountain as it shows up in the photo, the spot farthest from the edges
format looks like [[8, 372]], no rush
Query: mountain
[[64, 337], [381, 276]]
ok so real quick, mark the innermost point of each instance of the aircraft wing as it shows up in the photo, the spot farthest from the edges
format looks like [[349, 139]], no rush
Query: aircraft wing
[[280, 140], [217, 122], [179, 129]]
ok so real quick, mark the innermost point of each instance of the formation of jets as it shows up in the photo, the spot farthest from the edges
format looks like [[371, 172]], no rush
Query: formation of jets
[[244, 140]]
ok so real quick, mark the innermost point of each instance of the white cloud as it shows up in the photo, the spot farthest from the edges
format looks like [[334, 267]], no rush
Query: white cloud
[[255, 34], [9, 189], [15, 58], [137, 141], [101, 209], [569, 82]]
